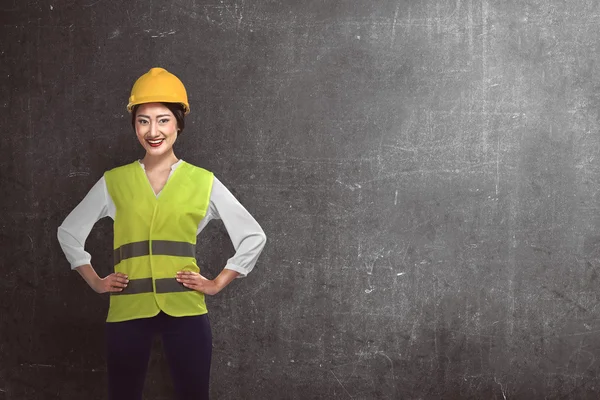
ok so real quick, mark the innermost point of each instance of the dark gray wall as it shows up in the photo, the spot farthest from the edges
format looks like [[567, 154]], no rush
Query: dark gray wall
[[427, 174]]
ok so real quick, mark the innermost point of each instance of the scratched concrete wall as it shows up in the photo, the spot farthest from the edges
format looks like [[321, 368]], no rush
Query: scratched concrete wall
[[426, 173]]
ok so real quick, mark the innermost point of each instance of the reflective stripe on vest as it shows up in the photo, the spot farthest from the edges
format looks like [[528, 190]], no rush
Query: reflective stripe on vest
[[165, 285], [159, 248]]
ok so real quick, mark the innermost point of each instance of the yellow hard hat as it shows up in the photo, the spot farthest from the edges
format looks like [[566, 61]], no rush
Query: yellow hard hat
[[156, 86]]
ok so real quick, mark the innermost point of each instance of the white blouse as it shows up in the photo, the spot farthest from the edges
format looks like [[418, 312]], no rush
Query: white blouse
[[246, 235]]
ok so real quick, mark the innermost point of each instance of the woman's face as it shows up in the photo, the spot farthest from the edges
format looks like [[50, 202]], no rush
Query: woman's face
[[156, 128]]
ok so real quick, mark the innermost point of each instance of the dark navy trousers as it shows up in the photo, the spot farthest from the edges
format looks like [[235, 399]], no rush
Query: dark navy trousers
[[187, 342]]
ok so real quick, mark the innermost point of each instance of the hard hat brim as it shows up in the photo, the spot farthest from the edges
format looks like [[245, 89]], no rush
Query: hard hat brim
[[157, 99]]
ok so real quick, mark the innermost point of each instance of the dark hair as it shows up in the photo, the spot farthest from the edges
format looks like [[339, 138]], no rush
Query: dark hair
[[176, 108]]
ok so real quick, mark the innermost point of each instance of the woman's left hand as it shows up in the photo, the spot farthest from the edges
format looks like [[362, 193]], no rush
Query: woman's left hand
[[197, 282]]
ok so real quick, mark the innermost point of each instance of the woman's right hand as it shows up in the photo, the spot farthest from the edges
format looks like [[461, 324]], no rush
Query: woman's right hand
[[114, 282]]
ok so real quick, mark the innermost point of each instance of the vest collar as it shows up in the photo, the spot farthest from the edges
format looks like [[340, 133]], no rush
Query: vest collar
[[173, 168]]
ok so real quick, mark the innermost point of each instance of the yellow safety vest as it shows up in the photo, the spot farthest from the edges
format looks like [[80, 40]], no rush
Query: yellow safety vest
[[154, 237]]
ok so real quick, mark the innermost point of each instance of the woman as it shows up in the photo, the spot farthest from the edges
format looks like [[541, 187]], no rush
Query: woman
[[159, 204]]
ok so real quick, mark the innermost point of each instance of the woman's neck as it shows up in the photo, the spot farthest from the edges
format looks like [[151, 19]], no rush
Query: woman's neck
[[163, 161]]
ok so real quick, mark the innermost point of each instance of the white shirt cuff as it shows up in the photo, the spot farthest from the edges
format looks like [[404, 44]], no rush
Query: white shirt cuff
[[242, 271]]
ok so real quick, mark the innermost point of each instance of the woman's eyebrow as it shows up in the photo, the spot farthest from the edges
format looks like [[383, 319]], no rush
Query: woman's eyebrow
[[158, 116]]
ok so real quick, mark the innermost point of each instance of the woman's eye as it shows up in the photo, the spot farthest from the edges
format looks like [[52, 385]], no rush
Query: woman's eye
[[142, 121], [164, 120]]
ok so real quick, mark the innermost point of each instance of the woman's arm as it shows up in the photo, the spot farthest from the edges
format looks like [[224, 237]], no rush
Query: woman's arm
[[246, 235], [74, 231]]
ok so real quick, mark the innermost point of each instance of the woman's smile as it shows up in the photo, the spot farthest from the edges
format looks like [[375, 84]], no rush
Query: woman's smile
[[155, 142]]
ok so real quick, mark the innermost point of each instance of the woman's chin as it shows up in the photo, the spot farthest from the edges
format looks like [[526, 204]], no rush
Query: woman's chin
[[156, 151]]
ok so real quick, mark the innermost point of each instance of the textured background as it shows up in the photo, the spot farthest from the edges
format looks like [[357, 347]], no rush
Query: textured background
[[426, 173]]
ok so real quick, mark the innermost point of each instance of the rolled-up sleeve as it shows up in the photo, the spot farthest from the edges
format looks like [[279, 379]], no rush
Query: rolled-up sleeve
[[74, 230], [246, 235]]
